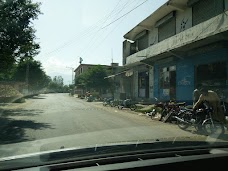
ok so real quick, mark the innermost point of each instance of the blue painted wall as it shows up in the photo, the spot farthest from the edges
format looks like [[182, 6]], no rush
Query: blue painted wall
[[184, 80], [185, 72]]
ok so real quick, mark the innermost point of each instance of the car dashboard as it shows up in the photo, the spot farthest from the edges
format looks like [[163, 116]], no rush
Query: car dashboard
[[182, 159]]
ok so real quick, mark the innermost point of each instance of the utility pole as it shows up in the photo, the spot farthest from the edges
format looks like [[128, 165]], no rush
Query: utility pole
[[112, 61]]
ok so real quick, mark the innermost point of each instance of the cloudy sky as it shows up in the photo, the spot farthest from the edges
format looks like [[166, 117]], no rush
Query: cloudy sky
[[90, 29]]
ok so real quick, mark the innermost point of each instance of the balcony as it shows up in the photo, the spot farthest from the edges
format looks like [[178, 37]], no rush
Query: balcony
[[208, 29]]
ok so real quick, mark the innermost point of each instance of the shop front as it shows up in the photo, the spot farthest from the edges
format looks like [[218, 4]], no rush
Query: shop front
[[167, 82], [177, 78], [165, 79], [215, 77]]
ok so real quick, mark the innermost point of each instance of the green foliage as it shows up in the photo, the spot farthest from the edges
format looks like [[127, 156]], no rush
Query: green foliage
[[57, 85], [144, 109], [20, 100], [93, 78], [58, 80], [80, 81], [17, 35], [31, 69]]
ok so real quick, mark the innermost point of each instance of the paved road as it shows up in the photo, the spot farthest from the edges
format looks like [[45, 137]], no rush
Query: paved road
[[54, 121]]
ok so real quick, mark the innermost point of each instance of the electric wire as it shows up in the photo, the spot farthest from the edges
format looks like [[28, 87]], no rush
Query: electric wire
[[88, 32], [93, 43]]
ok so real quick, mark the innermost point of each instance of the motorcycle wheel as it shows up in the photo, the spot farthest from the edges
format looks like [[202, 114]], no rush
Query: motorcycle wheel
[[133, 107], [155, 115], [120, 107], [168, 117], [180, 124], [213, 129]]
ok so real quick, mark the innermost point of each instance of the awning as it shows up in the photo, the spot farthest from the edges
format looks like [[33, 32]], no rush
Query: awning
[[127, 73]]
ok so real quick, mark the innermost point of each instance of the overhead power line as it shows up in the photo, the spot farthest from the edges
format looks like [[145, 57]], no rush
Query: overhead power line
[[90, 31], [87, 32], [93, 42], [124, 14]]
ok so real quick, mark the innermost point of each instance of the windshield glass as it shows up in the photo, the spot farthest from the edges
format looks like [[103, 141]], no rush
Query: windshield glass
[[92, 73]]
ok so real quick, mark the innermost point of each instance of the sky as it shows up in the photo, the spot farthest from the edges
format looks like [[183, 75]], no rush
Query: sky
[[90, 29]]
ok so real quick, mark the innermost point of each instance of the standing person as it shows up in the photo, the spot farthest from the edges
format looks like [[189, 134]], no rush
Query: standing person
[[214, 101]]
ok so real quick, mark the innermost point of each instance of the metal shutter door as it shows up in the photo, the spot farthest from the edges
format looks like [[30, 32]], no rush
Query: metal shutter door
[[167, 29], [206, 9]]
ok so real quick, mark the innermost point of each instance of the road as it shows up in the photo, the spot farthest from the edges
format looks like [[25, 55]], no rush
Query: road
[[54, 121]]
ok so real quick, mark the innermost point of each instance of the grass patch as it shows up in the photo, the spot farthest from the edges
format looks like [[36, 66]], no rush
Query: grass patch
[[147, 109], [144, 109]]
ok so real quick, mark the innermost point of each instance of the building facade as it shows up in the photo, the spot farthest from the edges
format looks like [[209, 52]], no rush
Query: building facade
[[182, 44]]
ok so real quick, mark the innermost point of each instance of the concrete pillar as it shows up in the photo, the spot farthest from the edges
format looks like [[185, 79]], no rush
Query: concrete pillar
[[151, 82], [135, 85]]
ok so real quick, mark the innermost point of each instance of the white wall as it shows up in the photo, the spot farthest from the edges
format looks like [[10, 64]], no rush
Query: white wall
[[183, 20]]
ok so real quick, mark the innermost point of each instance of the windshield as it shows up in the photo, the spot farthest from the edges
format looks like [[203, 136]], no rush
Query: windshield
[[92, 73]]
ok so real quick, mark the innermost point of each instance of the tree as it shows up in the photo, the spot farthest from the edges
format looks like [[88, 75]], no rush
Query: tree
[[33, 71], [58, 80], [80, 81], [17, 35], [93, 78], [57, 85]]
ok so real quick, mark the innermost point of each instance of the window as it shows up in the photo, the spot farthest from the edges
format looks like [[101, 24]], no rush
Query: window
[[166, 26], [168, 81]]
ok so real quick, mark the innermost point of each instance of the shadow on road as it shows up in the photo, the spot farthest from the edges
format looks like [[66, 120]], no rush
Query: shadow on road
[[19, 112], [223, 137], [14, 130], [37, 97], [4, 104]]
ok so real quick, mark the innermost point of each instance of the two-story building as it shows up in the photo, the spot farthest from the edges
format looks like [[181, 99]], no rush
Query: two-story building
[[181, 44]]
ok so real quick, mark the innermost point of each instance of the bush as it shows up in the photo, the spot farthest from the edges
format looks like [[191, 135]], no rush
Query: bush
[[20, 100]]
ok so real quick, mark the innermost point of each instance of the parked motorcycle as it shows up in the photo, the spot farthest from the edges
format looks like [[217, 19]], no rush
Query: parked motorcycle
[[160, 110], [114, 103], [201, 120], [187, 117], [107, 101], [164, 111], [174, 109], [128, 103], [90, 98]]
